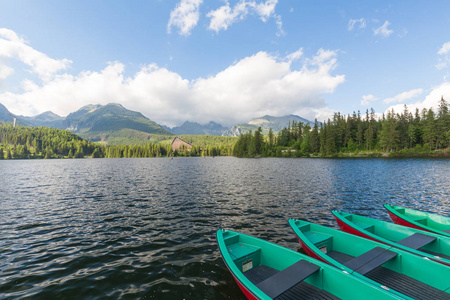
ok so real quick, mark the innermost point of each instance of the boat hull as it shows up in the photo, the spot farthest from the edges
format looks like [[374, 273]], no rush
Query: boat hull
[[417, 219], [359, 256], [259, 267]]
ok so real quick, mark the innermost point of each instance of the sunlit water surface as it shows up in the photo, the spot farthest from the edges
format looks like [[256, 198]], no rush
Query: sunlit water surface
[[145, 228]]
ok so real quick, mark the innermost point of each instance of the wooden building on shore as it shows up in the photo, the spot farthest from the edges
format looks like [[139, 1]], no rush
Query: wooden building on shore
[[180, 145]]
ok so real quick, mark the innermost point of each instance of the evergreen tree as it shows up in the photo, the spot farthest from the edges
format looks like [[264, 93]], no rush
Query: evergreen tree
[[270, 137], [429, 130], [314, 138], [442, 124]]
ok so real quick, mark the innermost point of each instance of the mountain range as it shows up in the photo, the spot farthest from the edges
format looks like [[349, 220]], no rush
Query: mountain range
[[211, 128], [266, 122], [114, 124]]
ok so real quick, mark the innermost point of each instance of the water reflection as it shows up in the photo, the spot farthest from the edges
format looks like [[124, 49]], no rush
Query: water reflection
[[146, 227]]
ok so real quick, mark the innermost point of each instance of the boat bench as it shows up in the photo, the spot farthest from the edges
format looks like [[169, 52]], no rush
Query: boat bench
[[446, 231], [282, 281], [417, 240], [370, 260]]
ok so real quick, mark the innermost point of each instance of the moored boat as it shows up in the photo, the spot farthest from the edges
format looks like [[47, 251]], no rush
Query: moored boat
[[400, 271], [426, 244], [419, 219], [264, 270]]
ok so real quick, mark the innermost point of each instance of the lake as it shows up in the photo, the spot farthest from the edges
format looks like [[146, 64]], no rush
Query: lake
[[145, 227]]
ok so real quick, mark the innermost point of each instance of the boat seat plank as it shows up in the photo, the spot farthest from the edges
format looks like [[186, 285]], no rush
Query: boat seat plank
[[302, 290], [446, 231], [417, 240], [370, 260], [287, 278]]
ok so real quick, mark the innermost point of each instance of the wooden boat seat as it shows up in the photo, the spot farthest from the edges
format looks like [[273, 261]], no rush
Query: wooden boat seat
[[397, 281], [303, 290], [287, 278], [417, 240], [446, 231], [370, 260]]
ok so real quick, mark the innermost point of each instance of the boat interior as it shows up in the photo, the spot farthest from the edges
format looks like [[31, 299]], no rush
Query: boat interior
[[379, 264]]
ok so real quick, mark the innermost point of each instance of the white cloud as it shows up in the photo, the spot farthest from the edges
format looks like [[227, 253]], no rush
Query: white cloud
[[444, 60], [366, 99], [5, 71], [14, 47], [256, 85], [384, 31], [445, 49], [185, 16], [295, 55], [430, 101], [352, 23], [266, 9], [225, 16], [403, 96]]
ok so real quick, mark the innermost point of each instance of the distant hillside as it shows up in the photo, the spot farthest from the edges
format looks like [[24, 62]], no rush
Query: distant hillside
[[193, 128], [47, 119], [4, 114], [265, 122], [96, 122]]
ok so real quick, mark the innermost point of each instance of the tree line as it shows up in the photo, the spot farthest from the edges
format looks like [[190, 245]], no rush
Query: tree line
[[43, 142], [23, 142], [400, 134], [397, 134]]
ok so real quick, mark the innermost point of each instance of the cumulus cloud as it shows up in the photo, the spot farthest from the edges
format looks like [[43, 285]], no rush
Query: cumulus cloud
[[430, 101], [225, 16], [402, 97], [185, 16], [384, 31], [256, 85], [444, 53], [14, 47], [445, 49], [354, 23], [5, 71], [366, 99]]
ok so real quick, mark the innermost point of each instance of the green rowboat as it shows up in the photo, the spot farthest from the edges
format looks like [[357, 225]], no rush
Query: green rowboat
[[419, 219], [379, 264], [427, 244], [264, 270]]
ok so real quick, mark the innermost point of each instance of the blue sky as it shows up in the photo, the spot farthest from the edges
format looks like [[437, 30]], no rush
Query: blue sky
[[226, 61]]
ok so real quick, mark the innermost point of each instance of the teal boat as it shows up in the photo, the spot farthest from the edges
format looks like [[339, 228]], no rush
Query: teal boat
[[419, 219], [264, 270], [426, 244], [379, 264]]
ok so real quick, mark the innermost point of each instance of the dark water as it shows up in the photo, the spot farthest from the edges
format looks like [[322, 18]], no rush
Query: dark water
[[145, 228]]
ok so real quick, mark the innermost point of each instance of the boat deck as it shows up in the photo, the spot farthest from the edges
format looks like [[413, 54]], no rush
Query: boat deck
[[302, 290], [436, 254], [396, 281]]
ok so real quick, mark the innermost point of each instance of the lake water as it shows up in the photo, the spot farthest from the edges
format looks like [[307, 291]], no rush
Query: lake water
[[145, 228]]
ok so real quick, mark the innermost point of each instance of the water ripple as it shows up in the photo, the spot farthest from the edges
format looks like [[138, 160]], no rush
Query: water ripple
[[145, 228]]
